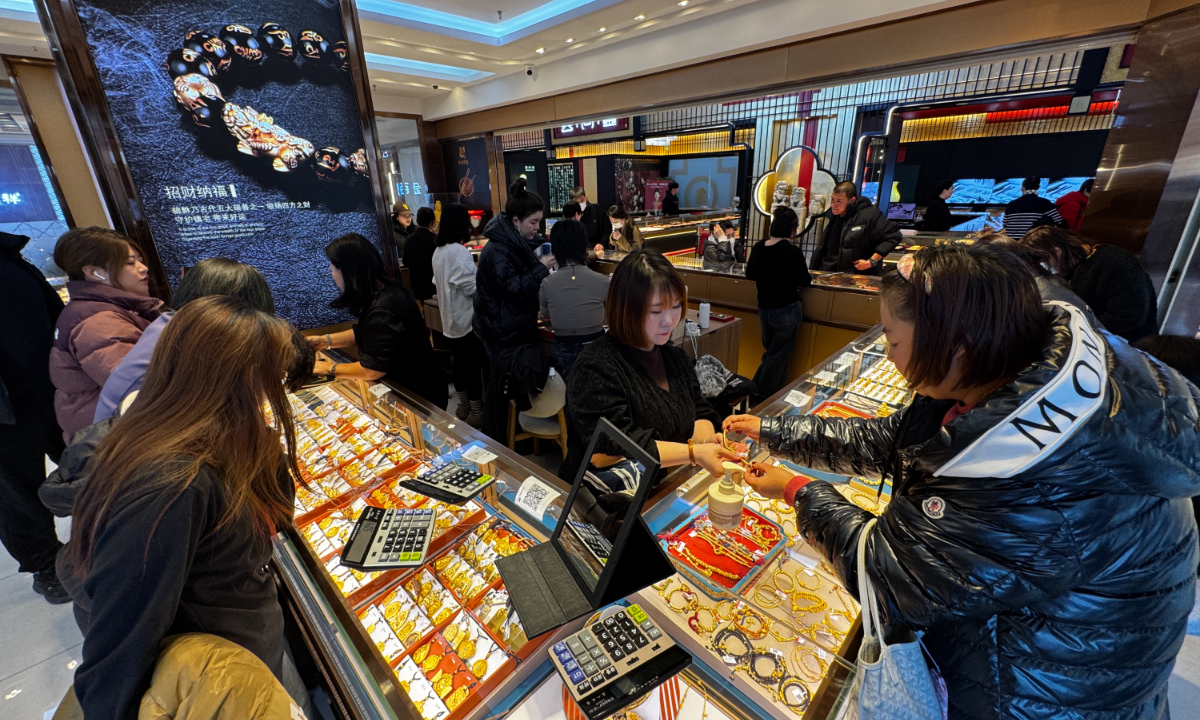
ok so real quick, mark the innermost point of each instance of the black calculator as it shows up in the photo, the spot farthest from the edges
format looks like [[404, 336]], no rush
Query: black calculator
[[613, 662], [385, 539], [452, 484], [590, 536]]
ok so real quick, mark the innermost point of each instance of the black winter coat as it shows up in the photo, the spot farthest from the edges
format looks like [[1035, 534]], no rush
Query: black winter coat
[[1043, 540], [506, 286], [31, 309], [863, 232]]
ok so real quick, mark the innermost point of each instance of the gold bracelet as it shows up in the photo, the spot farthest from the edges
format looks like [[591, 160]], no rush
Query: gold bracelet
[[791, 588], [818, 603], [774, 598], [763, 624], [704, 567], [692, 450], [697, 625], [719, 549], [688, 596], [846, 600], [662, 589], [830, 614], [778, 636], [799, 654], [717, 610], [800, 581]]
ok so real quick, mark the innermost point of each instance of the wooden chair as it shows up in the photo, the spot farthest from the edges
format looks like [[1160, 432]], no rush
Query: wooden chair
[[560, 436]]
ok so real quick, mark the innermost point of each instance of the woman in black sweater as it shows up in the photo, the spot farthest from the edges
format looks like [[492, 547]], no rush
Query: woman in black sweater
[[391, 336], [638, 380], [172, 531], [937, 214], [777, 267], [1108, 278]]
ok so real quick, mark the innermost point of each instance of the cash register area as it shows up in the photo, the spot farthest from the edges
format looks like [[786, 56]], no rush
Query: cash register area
[[379, 634]]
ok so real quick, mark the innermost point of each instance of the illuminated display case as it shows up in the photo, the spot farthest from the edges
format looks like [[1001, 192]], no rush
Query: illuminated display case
[[374, 634]]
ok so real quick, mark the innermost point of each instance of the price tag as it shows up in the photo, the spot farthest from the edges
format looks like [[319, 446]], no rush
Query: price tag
[[479, 454], [379, 390], [534, 496], [797, 399], [822, 654]]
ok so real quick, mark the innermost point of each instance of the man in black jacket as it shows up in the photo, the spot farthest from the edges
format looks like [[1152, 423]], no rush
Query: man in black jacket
[[28, 430], [590, 215], [857, 236]]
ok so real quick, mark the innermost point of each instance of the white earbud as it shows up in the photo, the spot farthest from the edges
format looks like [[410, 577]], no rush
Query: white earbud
[[102, 277]]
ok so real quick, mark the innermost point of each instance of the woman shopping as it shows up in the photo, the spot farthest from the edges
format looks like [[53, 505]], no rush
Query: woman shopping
[[638, 380], [778, 270], [172, 531], [391, 336], [573, 297], [1040, 532], [454, 277], [110, 307], [506, 298], [624, 235]]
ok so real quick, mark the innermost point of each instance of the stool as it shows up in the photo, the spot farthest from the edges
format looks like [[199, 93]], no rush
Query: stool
[[537, 428]]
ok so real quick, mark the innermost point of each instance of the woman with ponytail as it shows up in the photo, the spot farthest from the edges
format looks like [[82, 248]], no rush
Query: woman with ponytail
[[506, 291]]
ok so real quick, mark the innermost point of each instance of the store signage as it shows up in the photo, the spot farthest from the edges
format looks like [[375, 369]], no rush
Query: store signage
[[10, 198], [242, 134], [797, 182], [591, 127], [404, 188]]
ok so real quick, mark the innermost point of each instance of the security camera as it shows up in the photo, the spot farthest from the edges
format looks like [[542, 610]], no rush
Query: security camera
[[434, 87], [529, 69]]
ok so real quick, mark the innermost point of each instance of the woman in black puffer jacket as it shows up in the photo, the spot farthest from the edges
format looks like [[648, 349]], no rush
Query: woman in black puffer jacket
[[507, 282], [1039, 532]]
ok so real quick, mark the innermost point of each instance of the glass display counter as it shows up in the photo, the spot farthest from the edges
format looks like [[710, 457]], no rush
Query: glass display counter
[[679, 232], [772, 631]]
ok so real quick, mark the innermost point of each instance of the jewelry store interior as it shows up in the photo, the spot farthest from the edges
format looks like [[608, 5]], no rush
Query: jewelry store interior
[[436, 570]]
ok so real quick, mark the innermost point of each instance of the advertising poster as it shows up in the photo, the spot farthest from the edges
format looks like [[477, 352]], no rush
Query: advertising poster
[[631, 176], [656, 190], [239, 123], [467, 170]]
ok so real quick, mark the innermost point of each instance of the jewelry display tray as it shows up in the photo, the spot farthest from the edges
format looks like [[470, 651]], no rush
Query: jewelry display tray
[[667, 537]]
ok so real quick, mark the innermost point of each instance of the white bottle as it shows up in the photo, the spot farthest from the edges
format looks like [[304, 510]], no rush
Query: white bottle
[[705, 313], [726, 498]]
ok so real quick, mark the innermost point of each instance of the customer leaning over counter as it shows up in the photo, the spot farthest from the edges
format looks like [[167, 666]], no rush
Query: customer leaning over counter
[[1040, 532]]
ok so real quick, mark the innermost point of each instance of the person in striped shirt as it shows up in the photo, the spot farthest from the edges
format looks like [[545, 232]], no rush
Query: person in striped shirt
[[1029, 211]]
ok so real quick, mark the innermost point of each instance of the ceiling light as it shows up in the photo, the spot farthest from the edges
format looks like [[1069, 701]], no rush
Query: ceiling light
[[570, 40], [603, 29], [539, 51], [470, 53], [682, 3], [640, 17]]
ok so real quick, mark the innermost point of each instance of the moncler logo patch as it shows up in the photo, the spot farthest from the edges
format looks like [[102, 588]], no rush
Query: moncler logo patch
[[934, 507]]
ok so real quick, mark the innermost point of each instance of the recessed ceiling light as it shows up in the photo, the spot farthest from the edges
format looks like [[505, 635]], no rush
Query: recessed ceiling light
[[570, 40], [640, 17], [539, 51], [603, 29], [682, 3]]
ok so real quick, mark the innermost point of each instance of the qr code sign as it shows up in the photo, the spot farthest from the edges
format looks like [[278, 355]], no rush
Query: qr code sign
[[535, 496]]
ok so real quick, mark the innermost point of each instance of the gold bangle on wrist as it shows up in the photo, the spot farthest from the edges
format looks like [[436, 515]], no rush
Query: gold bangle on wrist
[[692, 450]]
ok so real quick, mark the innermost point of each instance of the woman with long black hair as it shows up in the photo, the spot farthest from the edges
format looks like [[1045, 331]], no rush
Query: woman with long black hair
[[392, 339]]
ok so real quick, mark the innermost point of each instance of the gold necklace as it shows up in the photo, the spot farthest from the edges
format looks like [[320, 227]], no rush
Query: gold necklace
[[704, 567]]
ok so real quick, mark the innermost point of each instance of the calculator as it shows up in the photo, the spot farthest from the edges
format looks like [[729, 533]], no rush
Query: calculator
[[452, 484], [384, 539], [612, 662], [596, 543]]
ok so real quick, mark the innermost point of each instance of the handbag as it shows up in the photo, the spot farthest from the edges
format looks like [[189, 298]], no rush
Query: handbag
[[892, 680]]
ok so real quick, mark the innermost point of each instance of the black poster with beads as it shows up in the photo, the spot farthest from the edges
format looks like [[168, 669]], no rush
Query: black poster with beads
[[240, 127]]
